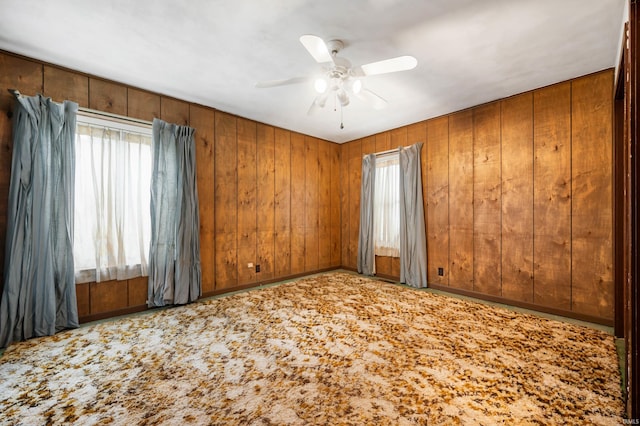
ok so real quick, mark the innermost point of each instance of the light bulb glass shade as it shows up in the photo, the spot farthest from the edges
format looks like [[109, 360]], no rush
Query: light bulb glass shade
[[356, 86], [342, 97], [320, 85]]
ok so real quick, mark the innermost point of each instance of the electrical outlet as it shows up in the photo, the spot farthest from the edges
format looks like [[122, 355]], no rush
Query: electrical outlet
[[257, 268], [250, 265], [441, 272]]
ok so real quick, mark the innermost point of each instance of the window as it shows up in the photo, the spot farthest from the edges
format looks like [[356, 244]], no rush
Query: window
[[112, 197], [386, 206]]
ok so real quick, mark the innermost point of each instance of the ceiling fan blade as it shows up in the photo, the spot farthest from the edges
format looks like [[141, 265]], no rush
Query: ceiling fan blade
[[316, 48], [401, 63], [283, 82], [317, 103], [376, 101]]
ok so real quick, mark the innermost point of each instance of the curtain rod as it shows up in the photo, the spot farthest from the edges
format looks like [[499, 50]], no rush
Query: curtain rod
[[389, 151], [96, 113]]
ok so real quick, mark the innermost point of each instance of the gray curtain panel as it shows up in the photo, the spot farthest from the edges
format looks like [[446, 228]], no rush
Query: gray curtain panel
[[413, 243], [366, 247], [175, 275], [39, 296]]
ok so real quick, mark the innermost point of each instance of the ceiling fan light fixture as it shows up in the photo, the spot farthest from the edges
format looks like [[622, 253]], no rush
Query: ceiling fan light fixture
[[342, 97], [320, 85], [356, 86]]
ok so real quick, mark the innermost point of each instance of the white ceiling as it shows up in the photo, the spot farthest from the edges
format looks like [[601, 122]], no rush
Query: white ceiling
[[212, 52]]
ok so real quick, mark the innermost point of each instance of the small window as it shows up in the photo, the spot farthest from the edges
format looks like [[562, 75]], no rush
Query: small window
[[112, 197], [386, 206]]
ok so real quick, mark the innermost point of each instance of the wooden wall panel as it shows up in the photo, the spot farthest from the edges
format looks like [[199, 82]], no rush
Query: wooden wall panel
[[461, 200], [592, 289], [345, 200], [62, 85], [355, 173], [282, 213], [399, 137], [311, 204], [21, 74], [335, 199], [203, 120], [486, 199], [174, 111], [83, 300], [552, 196], [298, 213], [265, 201], [437, 190], [517, 198], [143, 105], [324, 204], [137, 289], [107, 96], [246, 165], [108, 296], [225, 199]]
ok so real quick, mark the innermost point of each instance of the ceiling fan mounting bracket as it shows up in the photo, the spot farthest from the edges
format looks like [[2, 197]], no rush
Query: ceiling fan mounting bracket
[[335, 46]]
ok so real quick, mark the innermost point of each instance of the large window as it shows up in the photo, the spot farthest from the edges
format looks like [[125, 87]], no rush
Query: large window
[[386, 206], [112, 194]]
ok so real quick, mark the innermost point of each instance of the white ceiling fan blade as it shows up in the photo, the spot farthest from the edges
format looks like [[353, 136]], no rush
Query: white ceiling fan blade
[[316, 48], [401, 63], [376, 101], [283, 82]]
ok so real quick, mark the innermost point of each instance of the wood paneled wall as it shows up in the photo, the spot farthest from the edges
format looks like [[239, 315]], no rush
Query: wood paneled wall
[[518, 198], [267, 196]]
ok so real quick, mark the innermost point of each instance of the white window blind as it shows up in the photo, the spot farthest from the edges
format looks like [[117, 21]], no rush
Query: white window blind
[[112, 197], [386, 206]]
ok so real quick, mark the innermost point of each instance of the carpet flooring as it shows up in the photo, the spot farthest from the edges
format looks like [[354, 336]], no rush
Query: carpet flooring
[[336, 348]]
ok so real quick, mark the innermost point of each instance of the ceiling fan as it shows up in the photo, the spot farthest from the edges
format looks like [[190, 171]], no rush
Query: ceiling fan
[[339, 79]]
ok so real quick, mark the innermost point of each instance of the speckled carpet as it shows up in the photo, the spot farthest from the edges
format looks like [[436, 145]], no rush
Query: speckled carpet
[[331, 349]]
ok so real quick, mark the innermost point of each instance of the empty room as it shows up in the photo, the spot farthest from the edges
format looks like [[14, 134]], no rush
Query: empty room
[[296, 212]]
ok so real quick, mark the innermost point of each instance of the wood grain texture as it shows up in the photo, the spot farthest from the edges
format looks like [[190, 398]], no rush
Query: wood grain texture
[[487, 199], [265, 201], [335, 199], [225, 199], [517, 198], [108, 296], [282, 213], [324, 204], [107, 96], [62, 85], [552, 196], [83, 300], [21, 74], [345, 199], [247, 232], [383, 265], [461, 200], [298, 204], [355, 173], [137, 291], [203, 120], [399, 137], [311, 204], [437, 189], [592, 287], [383, 141], [144, 105], [174, 111]]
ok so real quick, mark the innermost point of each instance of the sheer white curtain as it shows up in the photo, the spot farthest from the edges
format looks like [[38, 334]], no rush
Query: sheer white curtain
[[112, 221], [386, 206]]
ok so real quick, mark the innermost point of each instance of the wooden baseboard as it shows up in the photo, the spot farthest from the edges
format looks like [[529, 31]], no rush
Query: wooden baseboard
[[525, 305]]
